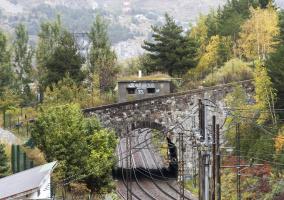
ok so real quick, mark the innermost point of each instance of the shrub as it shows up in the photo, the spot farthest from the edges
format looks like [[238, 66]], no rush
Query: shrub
[[233, 70]]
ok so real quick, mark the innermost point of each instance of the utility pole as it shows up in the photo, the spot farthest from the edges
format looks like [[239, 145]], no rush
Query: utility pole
[[201, 119], [238, 161], [200, 155], [218, 163], [194, 164], [128, 165], [207, 157], [181, 165], [214, 157], [130, 162], [204, 157]]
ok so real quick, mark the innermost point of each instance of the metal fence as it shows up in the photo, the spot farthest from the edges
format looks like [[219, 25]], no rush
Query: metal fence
[[19, 159]]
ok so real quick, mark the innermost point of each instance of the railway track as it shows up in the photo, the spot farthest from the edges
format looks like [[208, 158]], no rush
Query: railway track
[[163, 194], [173, 185], [146, 185], [122, 187]]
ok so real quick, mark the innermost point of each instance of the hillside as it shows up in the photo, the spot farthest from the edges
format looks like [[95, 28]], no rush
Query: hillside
[[129, 20]]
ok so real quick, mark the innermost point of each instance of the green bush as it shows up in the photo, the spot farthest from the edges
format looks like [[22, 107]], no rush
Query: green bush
[[80, 145]]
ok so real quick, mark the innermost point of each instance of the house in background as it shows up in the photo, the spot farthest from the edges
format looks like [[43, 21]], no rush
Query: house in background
[[33, 183]]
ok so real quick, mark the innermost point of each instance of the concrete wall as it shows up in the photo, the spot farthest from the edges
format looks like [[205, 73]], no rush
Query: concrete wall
[[140, 87]]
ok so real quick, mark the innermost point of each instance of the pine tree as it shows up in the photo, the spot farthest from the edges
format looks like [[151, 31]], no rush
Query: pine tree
[[265, 3], [212, 22], [102, 58], [4, 166], [171, 51], [6, 72], [65, 59], [233, 14]]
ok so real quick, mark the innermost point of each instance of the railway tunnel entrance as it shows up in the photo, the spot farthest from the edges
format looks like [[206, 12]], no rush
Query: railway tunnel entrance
[[143, 171], [146, 150]]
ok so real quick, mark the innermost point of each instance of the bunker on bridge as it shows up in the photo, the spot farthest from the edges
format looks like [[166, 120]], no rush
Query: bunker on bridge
[[134, 88]]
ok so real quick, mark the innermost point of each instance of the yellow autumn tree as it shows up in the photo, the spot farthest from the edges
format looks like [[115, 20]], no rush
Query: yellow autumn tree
[[216, 53], [279, 140], [265, 94], [258, 33], [199, 33]]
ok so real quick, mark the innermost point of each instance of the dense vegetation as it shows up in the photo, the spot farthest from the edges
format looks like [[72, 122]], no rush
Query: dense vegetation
[[54, 91], [243, 40], [83, 148]]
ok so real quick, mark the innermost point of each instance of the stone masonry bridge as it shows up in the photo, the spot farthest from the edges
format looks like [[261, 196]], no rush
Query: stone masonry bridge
[[160, 112], [176, 116]]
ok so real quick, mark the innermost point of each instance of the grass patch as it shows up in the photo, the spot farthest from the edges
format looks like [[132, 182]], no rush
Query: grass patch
[[189, 185], [153, 77], [35, 155]]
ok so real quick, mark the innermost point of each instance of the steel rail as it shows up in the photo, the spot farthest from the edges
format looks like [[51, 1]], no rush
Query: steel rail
[[147, 167], [124, 182], [139, 185], [172, 187]]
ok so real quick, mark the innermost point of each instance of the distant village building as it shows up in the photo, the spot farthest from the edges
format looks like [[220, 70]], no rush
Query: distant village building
[[144, 87], [126, 6], [33, 183]]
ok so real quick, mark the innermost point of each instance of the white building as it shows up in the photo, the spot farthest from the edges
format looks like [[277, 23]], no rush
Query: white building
[[33, 183], [126, 6]]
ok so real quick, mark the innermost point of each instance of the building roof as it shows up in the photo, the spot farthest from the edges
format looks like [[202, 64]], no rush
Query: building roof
[[151, 78], [24, 181]]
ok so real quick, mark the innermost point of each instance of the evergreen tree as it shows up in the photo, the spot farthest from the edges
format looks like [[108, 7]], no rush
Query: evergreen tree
[[275, 62], [4, 166], [23, 54], [212, 22], [57, 55], [48, 39], [171, 51], [6, 72], [233, 15], [265, 3], [65, 59], [102, 58]]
